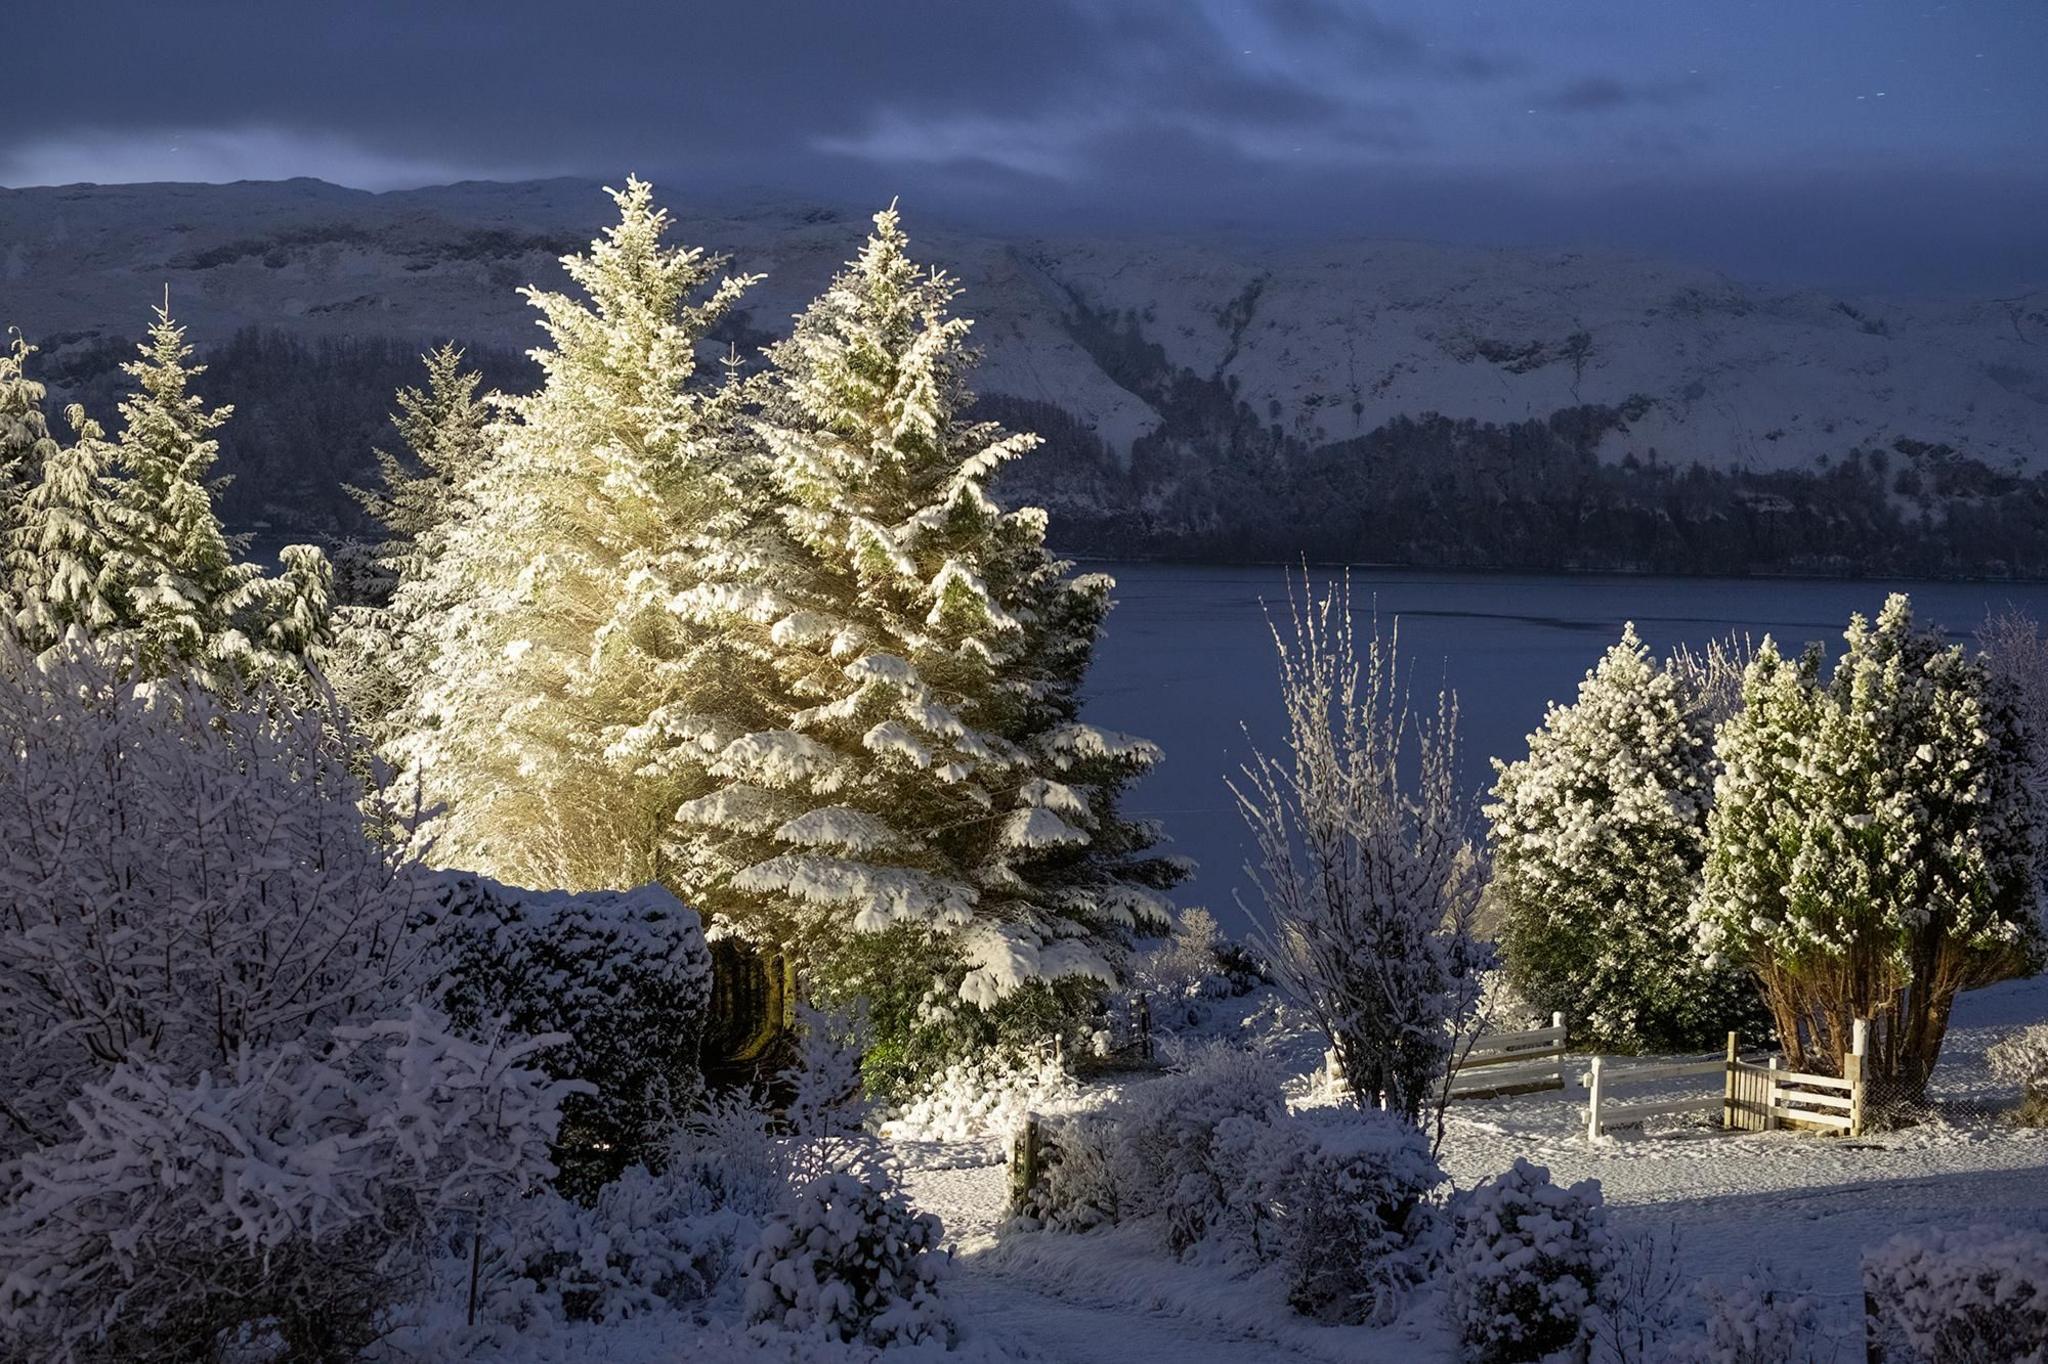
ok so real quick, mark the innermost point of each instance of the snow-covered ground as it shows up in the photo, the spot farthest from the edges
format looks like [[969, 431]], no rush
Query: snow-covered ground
[[1804, 1205]]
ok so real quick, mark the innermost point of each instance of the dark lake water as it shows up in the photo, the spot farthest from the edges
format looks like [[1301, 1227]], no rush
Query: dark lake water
[[1188, 661]]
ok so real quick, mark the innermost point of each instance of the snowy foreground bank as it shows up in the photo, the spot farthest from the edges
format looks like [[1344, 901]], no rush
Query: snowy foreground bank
[[1802, 1207]]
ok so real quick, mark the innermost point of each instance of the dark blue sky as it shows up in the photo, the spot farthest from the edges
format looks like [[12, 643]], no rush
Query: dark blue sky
[[1882, 142]]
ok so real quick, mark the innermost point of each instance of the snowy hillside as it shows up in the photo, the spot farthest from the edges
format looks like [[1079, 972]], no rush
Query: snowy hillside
[[1341, 337], [1167, 370]]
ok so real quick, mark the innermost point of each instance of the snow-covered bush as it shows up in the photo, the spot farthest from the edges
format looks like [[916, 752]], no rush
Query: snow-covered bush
[[291, 1196], [2022, 1059], [1192, 966], [1077, 1182], [1367, 882], [624, 977], [985, 1097], [1598, 836], [1752, 1319], [1640, 1307], [1189, 1148], [186, 875], [851, 1261], [1526, 1265], [1874, 845], [648, 1242], [1977, 1295], [1350, 1194]]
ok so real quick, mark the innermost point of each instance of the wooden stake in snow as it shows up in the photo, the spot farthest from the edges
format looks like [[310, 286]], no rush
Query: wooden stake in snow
[[1024, 1161], [1593, 1103]]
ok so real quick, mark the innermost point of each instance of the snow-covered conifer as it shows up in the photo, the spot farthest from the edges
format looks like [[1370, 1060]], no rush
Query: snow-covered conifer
[[185, 600], [925, 771], [60, 548], [1873, 846], [445, 428], [1597, 839], [566, 694], [392, 608], [25, 441]]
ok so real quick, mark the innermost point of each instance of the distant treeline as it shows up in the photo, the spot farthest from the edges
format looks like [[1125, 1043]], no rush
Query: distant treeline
[[1218, 482]]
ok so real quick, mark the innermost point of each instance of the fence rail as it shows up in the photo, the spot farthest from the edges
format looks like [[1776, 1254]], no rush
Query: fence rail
[[1524, 1062], [1752, 1097]]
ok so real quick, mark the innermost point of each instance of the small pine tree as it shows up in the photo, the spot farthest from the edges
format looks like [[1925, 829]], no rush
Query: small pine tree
[[387, 626], [1873, 846], [924, 776], [445, 428], [565, 693], [25, 442], [1598, 837], [60, 547], [182, 599], [174, 568]]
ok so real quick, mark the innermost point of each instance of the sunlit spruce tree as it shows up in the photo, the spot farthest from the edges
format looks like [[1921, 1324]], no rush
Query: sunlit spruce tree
[[925, 819], [567, 697]]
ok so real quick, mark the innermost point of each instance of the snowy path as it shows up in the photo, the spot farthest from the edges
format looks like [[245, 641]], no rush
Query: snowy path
[[1036, 1324], [1110, 1298]]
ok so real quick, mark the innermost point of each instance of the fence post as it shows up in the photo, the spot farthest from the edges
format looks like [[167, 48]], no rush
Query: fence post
[[1728, 1087], [1852, 1071], [1024, 1155], [1557, 1021], [1144, 1022], [1771, 1097], [1593, 1103]]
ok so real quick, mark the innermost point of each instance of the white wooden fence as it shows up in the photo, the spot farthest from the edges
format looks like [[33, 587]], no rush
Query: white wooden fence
[[1511, 1063], [1752, 1097], [1497, 1064]]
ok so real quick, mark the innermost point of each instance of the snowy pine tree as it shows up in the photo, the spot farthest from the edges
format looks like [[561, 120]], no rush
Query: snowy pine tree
[[60, 548], [25, 441], [184, 600], [446, 431], [387, 631], [1873, 845], [925, 772], [566, 695], [1598, 837]]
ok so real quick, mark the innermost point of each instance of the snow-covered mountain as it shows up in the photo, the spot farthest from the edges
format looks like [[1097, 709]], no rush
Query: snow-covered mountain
[[1313, 344], [1329, 341]]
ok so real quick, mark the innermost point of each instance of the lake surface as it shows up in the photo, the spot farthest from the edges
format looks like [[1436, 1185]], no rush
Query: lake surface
[[1188, 662]]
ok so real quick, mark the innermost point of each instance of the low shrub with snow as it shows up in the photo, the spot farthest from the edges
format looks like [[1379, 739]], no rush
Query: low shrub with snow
[[850, 1261], [1194, 965], [290, 1198], [624, 977], [1190, 1146], [984, 1098], [1949, 1296], [648, 1242], [1351, 1198], [1526, 1265], [1077, 1182], [1340, 1200], [1752, 1319], [184, 875], [2022, 1059]]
